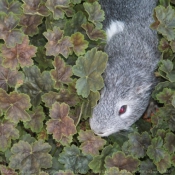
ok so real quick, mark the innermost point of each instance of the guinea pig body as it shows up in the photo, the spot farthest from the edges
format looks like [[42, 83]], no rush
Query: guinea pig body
[[133, 57]]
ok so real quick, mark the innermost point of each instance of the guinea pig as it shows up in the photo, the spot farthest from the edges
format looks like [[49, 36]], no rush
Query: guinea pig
[[133, 57]]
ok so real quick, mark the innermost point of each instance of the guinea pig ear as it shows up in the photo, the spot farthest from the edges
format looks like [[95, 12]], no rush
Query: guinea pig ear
[[143, 88]]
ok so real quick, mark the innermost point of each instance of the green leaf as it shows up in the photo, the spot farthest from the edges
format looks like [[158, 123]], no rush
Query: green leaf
[[116, 171], [155, 150], [36, 123], [167, 66], [8, 33], [97, 164], [27, 138], [166, 19], [79, 44], [7, 133], [60, 123], [96, 15], [6, 7], [35, 7], [57, 7], [57, 44], [173, 160], [67, 172], [139, 144], [170, 142], [76, 1], [44, 62], [9, 77], [93, 32], [30, 24], [164, 164], [30, 158], [89, 68], [93, 98], [164, 46], [20, 55], [62, 73], [91, 144], [74, 160], [36, 84], [123, 162], [166, 96], [43, 173], [7, 171], [15, 105], [74, 25], [42, 135], [147, 167], [62, 96]]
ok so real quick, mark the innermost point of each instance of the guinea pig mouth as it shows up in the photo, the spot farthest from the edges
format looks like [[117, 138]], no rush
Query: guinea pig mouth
[[105, 134], [100, 132]]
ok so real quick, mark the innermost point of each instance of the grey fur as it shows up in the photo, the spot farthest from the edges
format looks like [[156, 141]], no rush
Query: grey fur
[[133, 57]]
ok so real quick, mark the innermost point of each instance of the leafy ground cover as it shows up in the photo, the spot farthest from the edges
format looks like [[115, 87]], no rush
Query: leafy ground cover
[[51, 65]]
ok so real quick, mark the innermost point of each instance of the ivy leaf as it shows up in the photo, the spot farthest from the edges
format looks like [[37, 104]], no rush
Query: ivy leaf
[[139, 144], [166, 96], [6, 7], [116, 171], [74, 160], [8, 31], [91, 144], [35, 7], [63, 96], [9, 77], [36, 84], [7, 171], [21, 54], [57, 44], [96, 15], [7, 133], [62, 73], [60, 124], [122, 162], [165, 19], [155, 150], [36, 122], [97, 164], [94, 33], [57, 7], [30, 24], [170, 142], [89, 68], [30, 158], [164, 164], [79, 44], [76, 1], [15, 105]]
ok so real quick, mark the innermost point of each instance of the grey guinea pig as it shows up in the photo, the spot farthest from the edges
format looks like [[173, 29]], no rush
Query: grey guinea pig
[[133, 57]]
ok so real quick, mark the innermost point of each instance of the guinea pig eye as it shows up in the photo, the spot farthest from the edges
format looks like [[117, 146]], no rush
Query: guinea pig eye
[[122, 109]]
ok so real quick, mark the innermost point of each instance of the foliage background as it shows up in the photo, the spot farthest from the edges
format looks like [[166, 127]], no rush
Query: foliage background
[[51, 65]]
